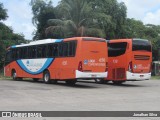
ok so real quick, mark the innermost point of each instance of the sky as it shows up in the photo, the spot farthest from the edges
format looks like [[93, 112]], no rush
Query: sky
[[20, 14]]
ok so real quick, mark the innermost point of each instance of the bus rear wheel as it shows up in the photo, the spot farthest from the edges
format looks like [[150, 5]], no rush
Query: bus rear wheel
[[14, 75], [71, 82], [46, 77], [118, 82]]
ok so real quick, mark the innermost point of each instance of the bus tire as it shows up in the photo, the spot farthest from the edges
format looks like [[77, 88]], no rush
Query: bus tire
[[99, 81], [14, 75], [71, 82], [117, 82], [46, 77]]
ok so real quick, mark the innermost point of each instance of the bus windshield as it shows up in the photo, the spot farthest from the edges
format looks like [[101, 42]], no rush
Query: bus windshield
[[141, 45], [116, 49]]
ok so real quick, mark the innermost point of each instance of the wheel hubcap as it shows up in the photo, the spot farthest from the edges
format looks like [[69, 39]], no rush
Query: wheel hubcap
[[46, 77], [14, 75]]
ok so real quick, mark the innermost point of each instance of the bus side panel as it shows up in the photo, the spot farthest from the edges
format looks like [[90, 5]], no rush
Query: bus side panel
[[7, 70], [63, 68], [19, 71], [13, 66]]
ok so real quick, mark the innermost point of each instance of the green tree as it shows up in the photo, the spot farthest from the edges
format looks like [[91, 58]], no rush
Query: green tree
[[74, 18], [3, 13], [111, 16], [3, 16], [42, 11], [7, 37], [134, 28]]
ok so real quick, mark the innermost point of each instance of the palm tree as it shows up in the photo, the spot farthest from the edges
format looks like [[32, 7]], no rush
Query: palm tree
[[76, 19]]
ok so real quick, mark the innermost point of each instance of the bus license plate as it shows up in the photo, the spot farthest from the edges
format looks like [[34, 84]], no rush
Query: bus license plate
[[141, 76], [94, 75]]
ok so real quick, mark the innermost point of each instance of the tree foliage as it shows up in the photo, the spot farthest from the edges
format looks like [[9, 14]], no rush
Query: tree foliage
[[111, 16], [3, 12], [7, 37], [84, 17], [42, 12], [73, 18], [98, 18]]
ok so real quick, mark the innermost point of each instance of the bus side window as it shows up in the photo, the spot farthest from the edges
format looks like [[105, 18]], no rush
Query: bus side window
[[39, 51], [30, 52], [44, 50], [8, 57], [21, 53], [50, 49], [34, 52], [55, 50], [72, 48], [60, 49], [14, 54], [25, 52], [65, 49]]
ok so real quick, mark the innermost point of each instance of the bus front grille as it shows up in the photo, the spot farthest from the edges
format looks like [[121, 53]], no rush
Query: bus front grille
[[141, 57], [114, 73], [118, 73]]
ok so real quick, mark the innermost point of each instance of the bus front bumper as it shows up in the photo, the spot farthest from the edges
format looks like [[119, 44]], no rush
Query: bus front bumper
[[137, 76], [91, 75]]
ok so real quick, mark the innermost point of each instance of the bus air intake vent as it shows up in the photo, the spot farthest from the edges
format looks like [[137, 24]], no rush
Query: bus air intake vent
[[113, 73], [120, 73], [141, 57]]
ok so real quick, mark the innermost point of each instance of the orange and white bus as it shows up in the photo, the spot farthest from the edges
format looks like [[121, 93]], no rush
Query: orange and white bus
[[58, 59], [129, 60]]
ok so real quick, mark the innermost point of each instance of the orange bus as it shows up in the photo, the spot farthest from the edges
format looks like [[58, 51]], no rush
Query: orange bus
[[58, 59], [129, 60]]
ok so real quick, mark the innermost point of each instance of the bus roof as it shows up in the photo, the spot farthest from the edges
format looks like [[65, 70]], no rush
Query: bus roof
[[140, 39], [125, 40], [119, 40], [46, 41], [38, 42]]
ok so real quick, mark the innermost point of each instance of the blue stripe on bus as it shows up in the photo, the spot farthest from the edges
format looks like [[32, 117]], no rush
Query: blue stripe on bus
[[14, 46], [45, 66], [59, 40]]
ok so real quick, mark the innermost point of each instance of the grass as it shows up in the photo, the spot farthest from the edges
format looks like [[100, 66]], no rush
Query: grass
[[2, 77], [155, 77]]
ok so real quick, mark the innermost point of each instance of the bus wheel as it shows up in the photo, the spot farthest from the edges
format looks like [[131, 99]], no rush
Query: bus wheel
[[14, 75], [71, 82], [99, 81], [46, 77], [118, 82]]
